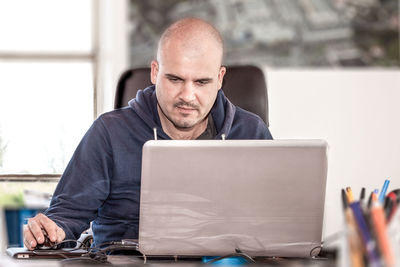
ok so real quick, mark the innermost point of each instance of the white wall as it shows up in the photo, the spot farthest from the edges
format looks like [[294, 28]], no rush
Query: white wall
[[356, 111]]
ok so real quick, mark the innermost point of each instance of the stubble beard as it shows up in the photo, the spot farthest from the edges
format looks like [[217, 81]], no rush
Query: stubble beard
[[184, 124]]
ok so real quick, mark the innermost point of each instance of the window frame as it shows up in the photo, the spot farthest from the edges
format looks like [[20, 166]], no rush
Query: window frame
[[91, 57]]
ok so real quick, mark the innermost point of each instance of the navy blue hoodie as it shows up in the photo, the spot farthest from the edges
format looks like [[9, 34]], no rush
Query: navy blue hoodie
[[102, 181]]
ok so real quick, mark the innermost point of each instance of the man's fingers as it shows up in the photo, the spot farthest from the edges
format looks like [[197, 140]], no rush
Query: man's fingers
[[37, 227], [60, 234], [36, 230], [49, 226], [54, 232], [29, 240]]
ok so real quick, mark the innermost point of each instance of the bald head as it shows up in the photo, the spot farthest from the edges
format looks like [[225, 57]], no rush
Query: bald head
[[193, 36], [187, 76]]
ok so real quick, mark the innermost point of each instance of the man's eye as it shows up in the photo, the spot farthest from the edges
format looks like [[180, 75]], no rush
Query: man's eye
[[173, 79], [202, 82]]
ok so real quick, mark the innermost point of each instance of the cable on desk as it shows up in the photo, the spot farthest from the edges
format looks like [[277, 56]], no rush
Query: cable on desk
[[82, 245], [98, 254], [109, 247], [88, 258], [329, 239]]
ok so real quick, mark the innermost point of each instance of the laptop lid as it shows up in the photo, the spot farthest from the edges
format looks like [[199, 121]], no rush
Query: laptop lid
[[210, 197]]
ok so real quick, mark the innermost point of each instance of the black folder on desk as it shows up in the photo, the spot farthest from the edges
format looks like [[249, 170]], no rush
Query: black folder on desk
[[23, 253]]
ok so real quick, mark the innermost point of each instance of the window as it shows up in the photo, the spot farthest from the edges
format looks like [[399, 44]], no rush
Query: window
[[47, 88], [284, 33]]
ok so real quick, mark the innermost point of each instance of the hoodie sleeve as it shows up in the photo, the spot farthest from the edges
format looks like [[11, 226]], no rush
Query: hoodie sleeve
[[85, 184], [247, 125], [262, 131]]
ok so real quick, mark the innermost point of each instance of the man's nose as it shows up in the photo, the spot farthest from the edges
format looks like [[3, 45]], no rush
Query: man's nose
[[188, 92]]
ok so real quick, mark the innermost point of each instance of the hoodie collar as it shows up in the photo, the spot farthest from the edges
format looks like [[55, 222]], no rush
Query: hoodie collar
[[145, 105]]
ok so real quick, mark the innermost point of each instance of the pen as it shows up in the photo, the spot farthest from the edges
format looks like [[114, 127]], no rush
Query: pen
[[353, 239], [369, 244], [344, 200], [362, 204], [350, 195], [374, 197], [383, 191], [391, 202], [370, 197], [362, 194], [370, 200], [379, 226]]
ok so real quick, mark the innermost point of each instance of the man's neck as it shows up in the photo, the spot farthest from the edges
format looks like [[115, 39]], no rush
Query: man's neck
[[184, 133]]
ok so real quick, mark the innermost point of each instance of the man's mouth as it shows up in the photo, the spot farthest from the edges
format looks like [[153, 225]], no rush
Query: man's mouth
[[185, 108]]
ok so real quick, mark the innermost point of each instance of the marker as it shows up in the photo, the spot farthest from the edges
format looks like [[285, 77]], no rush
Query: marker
[[369, 244], [353, 238], [383, 191], [380, 229]]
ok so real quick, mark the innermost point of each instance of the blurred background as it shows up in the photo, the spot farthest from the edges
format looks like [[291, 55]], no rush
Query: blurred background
[[280, 33], [332, 69]]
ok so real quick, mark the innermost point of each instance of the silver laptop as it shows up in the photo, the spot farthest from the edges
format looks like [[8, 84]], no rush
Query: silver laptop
[[212, 197]]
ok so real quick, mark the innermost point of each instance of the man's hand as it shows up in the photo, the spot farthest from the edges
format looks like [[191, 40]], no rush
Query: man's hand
[[33, 234]]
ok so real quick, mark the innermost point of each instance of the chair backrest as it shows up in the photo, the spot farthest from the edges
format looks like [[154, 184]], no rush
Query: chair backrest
[[245, 86], [129, 83]]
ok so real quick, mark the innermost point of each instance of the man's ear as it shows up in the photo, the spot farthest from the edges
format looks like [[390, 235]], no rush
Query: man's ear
[[154, 71], [221, 75]]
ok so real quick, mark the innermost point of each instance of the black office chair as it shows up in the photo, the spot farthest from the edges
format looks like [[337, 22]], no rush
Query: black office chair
[[129, 83], [245, 87]]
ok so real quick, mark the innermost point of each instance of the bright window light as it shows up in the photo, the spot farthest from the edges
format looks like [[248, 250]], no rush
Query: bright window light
[[45, 109], [45, 25], [46, 98]]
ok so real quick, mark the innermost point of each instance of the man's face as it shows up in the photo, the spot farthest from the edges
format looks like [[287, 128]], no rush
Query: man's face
[[187, 83]]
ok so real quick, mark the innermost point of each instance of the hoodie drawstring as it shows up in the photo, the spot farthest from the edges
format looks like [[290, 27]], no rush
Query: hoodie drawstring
[[155, 133]]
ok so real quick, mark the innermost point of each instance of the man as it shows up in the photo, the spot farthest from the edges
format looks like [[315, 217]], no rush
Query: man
[[102, 181]]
